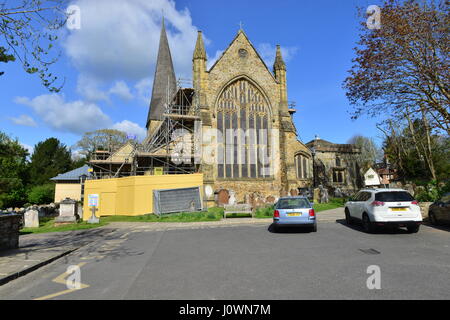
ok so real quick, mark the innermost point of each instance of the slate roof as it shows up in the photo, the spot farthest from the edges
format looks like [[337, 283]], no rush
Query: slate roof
[[73, 175], [164, 82]]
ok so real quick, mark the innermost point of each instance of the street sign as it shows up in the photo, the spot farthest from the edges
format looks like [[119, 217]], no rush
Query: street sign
[[93, 200], [158, 171]]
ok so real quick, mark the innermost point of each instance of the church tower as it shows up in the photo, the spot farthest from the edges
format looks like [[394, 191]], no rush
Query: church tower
[[164, 83]]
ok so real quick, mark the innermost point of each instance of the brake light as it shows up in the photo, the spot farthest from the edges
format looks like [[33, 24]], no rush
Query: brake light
[[276, 214], [312, 213], [415, 202], [378, 203]]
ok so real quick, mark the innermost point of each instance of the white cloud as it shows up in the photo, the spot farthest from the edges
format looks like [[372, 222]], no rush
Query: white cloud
[[144, 89], [268, 52], [88, 87], [121, 90], [28, 147], [24, 120], [131, 128], [75, 116], [118, 41], [213, 60]]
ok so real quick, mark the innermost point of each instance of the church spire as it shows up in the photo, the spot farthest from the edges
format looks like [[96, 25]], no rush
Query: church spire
[[279, 62], [164, 82], [199, 52]]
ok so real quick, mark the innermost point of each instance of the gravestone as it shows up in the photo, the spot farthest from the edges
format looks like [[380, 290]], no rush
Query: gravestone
[[223, 197], [338, 193], [232, 199], [67, 212], [93, 218], [316, 196], [31, 218], [323, 194]]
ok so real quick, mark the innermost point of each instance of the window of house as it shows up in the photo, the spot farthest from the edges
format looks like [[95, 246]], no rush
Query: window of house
[[338, 176], [338, 162]]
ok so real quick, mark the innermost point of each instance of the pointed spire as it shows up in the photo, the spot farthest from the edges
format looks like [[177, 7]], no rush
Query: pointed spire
[[164, 82], [199, 51], [279, 62]]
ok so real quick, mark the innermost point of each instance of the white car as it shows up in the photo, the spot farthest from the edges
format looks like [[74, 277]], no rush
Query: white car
[[384, 207]]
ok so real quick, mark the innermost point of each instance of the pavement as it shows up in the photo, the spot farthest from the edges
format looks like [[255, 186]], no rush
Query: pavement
[[37, 250], [242, 259]]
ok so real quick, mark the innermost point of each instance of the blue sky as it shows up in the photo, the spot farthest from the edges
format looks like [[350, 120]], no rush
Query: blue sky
[[108, 64]]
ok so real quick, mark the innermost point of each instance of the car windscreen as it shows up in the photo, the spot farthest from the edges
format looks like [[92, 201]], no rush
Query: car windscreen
[[295, 203], [393, 196]]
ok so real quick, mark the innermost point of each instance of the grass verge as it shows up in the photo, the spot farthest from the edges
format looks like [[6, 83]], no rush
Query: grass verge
[[47, 225], [213, 214]]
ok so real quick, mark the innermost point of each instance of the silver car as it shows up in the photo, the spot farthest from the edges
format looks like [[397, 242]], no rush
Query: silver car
[[294, 211]]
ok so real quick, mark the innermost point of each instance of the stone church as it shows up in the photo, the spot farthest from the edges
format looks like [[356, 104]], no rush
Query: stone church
[[249, 141]]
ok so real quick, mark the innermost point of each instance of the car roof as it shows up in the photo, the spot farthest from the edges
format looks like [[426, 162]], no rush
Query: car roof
[[383, 190], [293, 197]]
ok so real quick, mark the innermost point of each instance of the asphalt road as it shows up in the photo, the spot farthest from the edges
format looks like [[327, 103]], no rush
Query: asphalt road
[[248, 262]]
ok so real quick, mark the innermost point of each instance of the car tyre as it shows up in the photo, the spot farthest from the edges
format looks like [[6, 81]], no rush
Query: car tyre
[[433, 219], [275, 228], [413, 229], [314, 228], [348, 218], [367, 224]]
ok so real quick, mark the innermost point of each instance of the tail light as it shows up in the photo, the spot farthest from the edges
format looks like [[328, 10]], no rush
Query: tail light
[[312, 213], [276, 214], [378, 203], [415, 202]]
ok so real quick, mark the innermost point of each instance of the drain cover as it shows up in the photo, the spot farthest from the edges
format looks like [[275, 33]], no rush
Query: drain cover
[[370, 251]]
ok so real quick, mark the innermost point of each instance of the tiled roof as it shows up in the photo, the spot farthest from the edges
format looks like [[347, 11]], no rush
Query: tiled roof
[[73, 175]]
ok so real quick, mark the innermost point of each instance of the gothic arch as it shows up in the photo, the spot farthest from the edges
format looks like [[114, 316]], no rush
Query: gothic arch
[[253, 83], [243, 120]]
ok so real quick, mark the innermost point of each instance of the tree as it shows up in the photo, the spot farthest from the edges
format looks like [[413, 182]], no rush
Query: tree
[[29, 29], [403, 146], [104, 139], [402, 69], [13, 172], [370, 153], [49, 159], [4, 57]]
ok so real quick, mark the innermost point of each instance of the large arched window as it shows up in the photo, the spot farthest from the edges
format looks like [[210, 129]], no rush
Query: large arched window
[[243, 122]]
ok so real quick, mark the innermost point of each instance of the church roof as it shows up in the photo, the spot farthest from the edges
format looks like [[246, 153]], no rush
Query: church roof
[[251, 44], [164, 82], [327, 146]]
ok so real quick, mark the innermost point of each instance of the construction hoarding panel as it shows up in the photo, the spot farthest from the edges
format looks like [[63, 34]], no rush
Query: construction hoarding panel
[[133, 196]]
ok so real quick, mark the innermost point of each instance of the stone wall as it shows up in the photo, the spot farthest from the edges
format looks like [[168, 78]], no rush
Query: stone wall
[[9, 231]]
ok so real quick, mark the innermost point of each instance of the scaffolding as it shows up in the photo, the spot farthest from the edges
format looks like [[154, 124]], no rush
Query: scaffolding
[[171, 148]]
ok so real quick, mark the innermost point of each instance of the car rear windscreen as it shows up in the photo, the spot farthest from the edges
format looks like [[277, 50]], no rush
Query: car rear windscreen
[[293, 203], [393, 196]]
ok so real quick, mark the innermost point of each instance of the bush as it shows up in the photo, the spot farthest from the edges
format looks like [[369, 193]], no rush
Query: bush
[[42, 194], [433, 191]]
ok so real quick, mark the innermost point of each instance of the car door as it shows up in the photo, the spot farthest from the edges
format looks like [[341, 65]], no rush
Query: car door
[[444, 209], [351, 204], [355, 206], [362, 203]]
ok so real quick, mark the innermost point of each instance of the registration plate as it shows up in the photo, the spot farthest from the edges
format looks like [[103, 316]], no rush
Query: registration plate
[[294, 214], [398, 209]]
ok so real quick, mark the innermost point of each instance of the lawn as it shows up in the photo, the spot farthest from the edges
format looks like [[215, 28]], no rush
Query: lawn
[[267, 212], [47, 225]]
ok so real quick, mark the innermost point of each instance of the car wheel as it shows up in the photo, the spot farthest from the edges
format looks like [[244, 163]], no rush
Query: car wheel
[[348, 218], [413, 229], [275, 228], [314, 228], [433, 219], [367, 224]]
